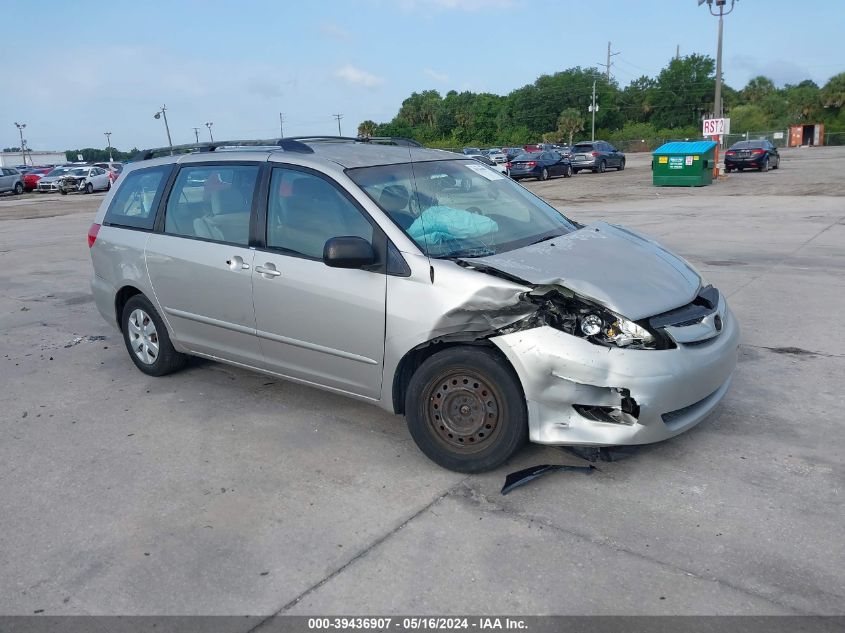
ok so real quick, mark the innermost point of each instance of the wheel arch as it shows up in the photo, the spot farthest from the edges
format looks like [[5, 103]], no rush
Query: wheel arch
[[121, 297], [415, 357]]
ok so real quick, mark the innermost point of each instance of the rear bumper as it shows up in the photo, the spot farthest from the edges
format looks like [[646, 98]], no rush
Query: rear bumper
[[584, 164], [104, 298], [674, 389]]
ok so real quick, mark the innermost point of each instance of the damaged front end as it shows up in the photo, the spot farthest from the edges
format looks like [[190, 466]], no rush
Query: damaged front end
[[592, 377]]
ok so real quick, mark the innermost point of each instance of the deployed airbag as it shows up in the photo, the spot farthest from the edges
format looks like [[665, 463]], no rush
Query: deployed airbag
[[440, 223]]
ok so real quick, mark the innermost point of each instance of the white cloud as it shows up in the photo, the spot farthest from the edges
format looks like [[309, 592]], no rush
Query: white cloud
[[335, 32], [441, 77], [358, 77]]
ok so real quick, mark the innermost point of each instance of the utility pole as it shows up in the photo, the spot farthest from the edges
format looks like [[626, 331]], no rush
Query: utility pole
[[338, 117], [108, 140], [210, 135], [281, 125], [20, 127], [593, 107], [609, 63], [717, 101], [197, 134], [163, 114], [677, 52]]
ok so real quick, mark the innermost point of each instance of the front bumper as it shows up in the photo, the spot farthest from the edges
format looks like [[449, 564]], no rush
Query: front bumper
[[675, 389], [50, 187]]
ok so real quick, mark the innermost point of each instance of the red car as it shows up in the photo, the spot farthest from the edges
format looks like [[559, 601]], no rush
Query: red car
[[30, 180]]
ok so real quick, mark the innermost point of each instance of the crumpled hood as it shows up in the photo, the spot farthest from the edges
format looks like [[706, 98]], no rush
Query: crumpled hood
[[616, 267]]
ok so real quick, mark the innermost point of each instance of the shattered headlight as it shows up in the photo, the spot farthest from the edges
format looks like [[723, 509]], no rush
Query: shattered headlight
[[624, 333]]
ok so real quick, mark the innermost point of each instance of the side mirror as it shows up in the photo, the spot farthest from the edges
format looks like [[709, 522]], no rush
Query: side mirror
[[348, 252]]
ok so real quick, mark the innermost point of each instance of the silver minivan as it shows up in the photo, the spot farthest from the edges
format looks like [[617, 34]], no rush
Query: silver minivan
[[419, 280]]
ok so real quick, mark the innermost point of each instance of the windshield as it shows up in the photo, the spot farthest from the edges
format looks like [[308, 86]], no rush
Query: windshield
[[59, 171], [79, 171], [461, 208]]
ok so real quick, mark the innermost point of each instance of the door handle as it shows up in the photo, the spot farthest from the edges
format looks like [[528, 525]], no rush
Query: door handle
[[267, 269], [237, 263]]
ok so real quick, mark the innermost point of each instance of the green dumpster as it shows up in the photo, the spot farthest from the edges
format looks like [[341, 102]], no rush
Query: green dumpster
[[683, 164]]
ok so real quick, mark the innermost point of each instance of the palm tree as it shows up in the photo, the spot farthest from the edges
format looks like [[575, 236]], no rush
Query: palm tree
[[367, 128]]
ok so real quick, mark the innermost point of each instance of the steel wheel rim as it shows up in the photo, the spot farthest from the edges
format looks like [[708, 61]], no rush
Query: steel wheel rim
[[463, 411], [143, 336]]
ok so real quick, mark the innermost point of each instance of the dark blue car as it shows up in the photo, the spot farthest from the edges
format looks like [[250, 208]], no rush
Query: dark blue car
[[539, 165]]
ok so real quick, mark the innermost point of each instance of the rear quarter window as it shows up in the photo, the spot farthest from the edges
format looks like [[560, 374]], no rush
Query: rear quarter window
[[135, 202]]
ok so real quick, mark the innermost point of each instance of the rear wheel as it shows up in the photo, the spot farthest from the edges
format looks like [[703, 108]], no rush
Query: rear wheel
[[465, 410], [602, 167], [147, 339], [18, 188], [544, 175], [764, 166]]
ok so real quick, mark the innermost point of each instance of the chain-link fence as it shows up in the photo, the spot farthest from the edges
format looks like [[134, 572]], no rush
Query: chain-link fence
[[834, 138]]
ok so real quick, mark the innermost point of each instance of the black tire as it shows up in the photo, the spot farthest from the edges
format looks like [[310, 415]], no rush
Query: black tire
[[63, 192], [602, 166], [777, 163], [486, 421], [544, 175], [167, 360], [567, 173], [728, 170], [108, 186], [89, 187], [765, 165], [621, 166], [18, 188]]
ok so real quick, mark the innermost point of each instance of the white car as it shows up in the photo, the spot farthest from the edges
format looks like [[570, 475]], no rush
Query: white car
[[497, 156], [85, 179], [500, 167]]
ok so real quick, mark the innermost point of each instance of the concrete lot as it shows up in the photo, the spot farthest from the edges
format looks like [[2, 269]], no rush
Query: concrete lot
[[219, 491]]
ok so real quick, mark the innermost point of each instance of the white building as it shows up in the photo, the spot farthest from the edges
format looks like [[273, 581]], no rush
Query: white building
[[13, 159]]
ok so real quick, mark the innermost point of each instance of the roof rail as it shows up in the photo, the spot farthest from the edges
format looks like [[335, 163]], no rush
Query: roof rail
[[288, 144], [380, 140]]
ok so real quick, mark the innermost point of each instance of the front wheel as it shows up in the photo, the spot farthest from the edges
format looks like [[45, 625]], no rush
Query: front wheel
[[567, 173], [621, 166], [63, 191], [18, 188], [147, 340], [89, 187], [777, 163], [465, 410]]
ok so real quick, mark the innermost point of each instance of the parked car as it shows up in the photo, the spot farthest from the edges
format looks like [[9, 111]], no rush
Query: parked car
[[30, 180], [49, 182], [531, 149], [761, 155], [486, 317], [85, 180], [113, 168], [539, 165], [596, 156], [497, 156], [11, 180], [472, 151], [500, 167]]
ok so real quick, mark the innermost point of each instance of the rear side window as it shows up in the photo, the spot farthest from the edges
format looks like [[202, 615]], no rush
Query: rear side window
[[135, 202], [212, 202]]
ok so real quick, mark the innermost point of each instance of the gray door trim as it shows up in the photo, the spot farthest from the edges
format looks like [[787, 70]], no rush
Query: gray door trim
[[209, 321], [317, 348]]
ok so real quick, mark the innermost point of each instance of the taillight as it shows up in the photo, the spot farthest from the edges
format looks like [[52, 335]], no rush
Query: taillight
[[730, 152], [594, 153], [92, 234], [531, 163]]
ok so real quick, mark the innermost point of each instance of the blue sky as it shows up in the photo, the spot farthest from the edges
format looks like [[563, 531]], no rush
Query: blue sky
[[100, 67]]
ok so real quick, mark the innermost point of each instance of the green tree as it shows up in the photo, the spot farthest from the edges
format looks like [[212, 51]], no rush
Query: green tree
[[685, 89], [367, 128], [569, 122], [748, 117], [833, 93], [757, 89]]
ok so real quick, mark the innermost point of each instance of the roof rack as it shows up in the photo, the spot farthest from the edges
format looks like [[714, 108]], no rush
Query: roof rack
[[288, 144]]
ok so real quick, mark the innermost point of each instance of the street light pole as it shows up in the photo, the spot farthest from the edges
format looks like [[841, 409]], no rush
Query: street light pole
[[208, 125], [163, 114], [108, 140], [20, 127], [718, 109]]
